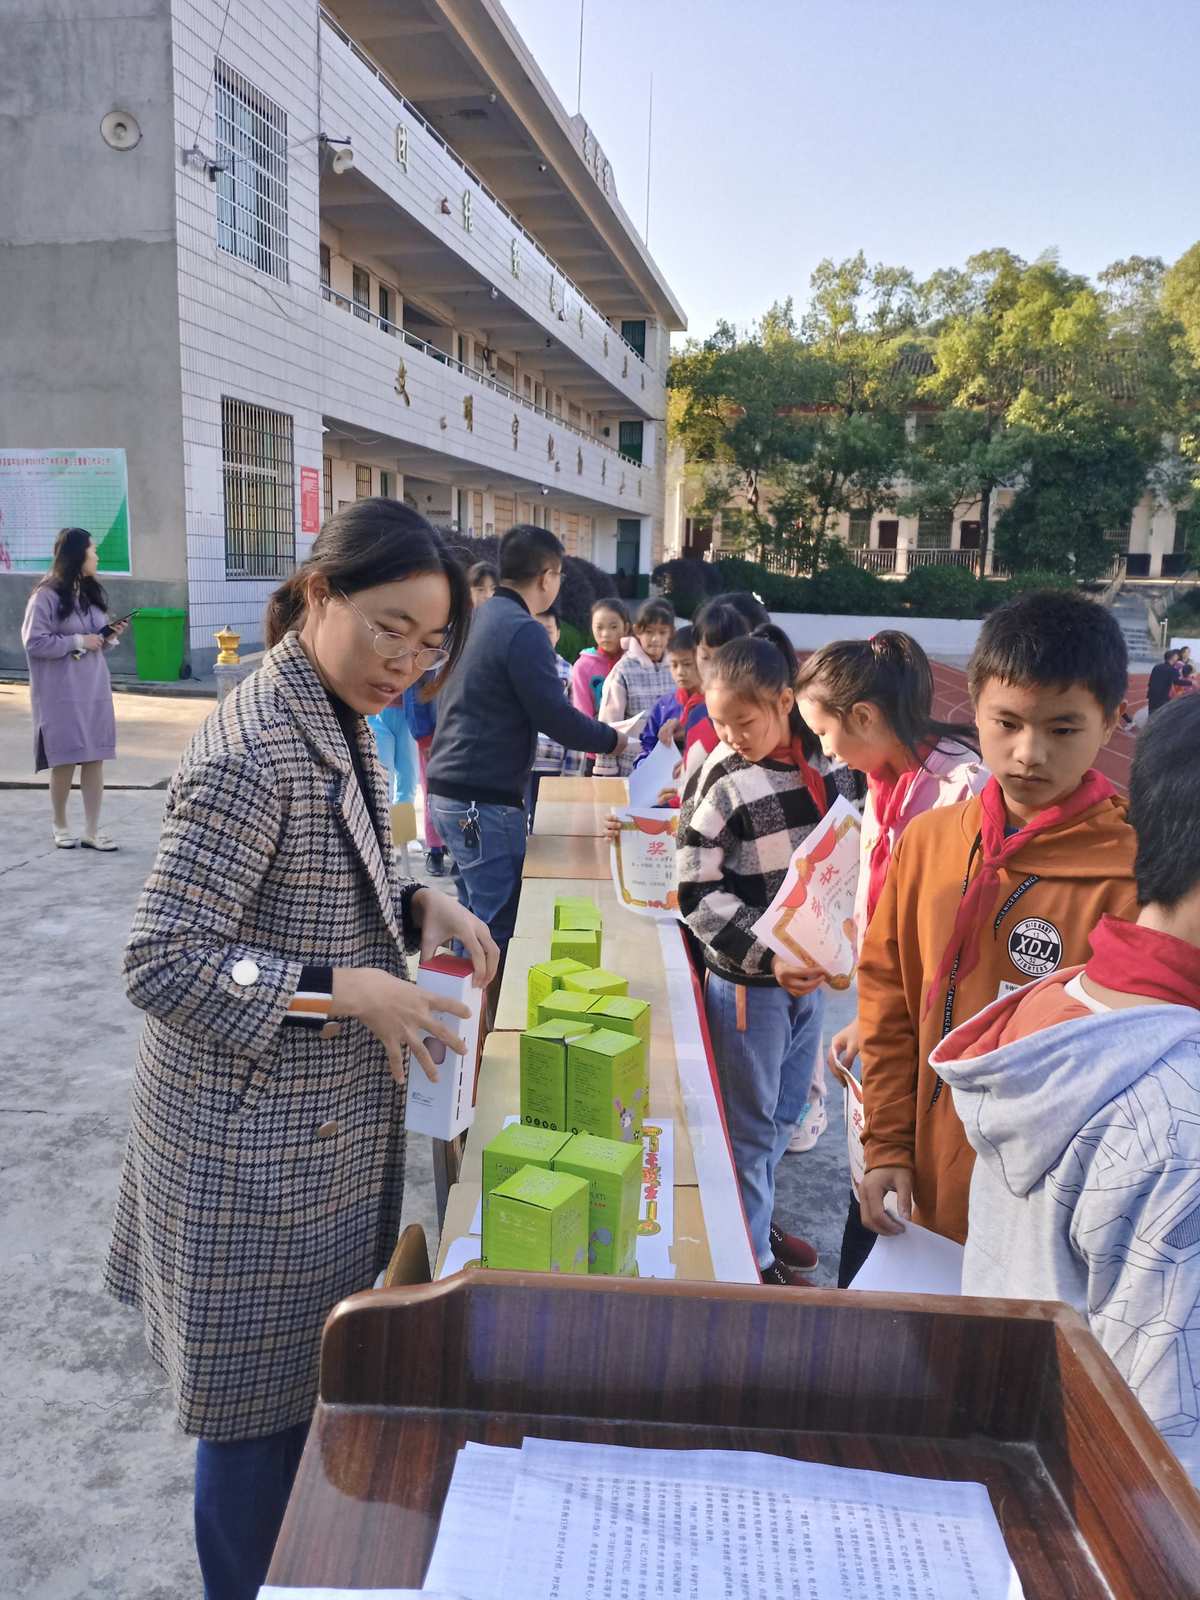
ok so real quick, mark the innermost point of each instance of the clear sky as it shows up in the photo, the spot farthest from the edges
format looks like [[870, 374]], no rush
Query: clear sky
[[916, 130]]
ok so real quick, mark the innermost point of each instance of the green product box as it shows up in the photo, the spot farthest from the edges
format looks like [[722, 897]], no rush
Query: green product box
[[543, 980], [623, 1014], [515, 1147], [608, 1092], [537, 1221], [544, 1072], [576, 944], [595, 982], [564, 1006], [613, 1172], [572, 911]]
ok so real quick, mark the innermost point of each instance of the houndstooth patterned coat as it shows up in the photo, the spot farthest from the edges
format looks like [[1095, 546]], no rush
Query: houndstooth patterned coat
[[265, 1166]]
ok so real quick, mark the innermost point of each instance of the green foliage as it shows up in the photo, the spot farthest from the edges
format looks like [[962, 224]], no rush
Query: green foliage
[[844, 590], [941, 592], [571, 640], [686, 583], [582, 584], [994, 592]]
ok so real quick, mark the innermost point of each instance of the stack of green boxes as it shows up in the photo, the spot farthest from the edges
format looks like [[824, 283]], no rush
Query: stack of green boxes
[[584, 1094]]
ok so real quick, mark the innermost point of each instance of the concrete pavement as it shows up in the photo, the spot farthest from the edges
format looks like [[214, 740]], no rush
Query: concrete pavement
[[152, 731]]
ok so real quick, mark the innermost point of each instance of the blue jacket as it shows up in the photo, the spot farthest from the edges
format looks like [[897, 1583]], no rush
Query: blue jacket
[[671, 705]]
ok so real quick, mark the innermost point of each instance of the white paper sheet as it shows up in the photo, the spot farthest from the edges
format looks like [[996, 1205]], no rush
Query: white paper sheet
[[913, 1262], [467, 1556], [652, 775], [642, 861], [810, 921], [722, 1523], [465, 1251], [270, 1592]]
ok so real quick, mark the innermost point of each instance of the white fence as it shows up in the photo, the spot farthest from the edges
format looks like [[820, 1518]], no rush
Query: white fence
[[947, 637]]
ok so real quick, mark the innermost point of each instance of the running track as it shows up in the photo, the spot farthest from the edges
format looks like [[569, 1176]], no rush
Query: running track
[[951, 703]]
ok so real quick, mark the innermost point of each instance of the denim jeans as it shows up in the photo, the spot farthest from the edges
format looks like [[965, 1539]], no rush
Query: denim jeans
[[242, 1489], [764, 1072], [486, 867]]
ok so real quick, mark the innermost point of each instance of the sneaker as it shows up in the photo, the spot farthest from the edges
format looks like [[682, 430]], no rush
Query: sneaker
[[813, 1121], [792, 1250], [97, 841], [786, 1277], [435, 863], [64, 839]]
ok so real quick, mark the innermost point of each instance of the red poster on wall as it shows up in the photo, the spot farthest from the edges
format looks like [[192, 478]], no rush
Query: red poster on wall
[[310, 500]]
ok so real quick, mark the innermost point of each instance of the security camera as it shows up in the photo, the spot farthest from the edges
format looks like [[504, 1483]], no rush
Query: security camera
[[343, 160]]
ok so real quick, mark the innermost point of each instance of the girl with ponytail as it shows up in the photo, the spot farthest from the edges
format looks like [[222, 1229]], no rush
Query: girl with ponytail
[[760, 792], [870, 703]]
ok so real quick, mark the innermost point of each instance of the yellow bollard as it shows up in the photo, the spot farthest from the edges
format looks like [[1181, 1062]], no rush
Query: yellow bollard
[[227, 646]]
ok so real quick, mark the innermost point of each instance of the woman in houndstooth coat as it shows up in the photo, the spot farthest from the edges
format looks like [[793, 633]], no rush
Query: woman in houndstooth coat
[[265, 1166]]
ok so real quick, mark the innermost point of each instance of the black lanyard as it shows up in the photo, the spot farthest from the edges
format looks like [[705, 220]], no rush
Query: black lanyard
[[1022, 888]]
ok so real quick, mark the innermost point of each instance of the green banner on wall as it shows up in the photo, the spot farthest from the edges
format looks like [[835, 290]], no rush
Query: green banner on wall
[[43, 491]]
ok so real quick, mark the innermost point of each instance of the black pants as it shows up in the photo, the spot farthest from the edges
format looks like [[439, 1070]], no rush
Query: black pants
[[857, 1241]]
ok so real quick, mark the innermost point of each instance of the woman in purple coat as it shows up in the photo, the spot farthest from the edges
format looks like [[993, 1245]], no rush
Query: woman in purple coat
[[73, 721]]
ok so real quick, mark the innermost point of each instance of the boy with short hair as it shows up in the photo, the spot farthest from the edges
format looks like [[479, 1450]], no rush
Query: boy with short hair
[[504, 691], [984, 896], [1081, 1097], [663, 723]]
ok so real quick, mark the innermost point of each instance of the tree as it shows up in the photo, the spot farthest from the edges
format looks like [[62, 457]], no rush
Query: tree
[[801, 424]]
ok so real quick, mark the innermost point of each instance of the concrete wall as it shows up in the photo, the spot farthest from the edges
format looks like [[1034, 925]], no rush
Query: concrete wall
[[87, 271], [943, 637]]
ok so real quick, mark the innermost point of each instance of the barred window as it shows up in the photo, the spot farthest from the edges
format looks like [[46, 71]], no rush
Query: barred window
[[260, 508], [251, 147], [860, 529], [935, 530], [362, 481], [327, 483]]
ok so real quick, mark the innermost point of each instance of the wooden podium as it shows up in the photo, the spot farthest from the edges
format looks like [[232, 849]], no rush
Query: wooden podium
[[1015, 1395]]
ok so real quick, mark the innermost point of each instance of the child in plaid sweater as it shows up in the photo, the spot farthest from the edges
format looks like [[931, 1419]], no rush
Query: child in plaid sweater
[[550, 758], [760, 792], [639, 680]]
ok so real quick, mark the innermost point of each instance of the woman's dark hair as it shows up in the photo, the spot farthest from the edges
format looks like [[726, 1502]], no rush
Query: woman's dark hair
[[759, 666], [367, 543], [755, 613], [718, 622], [480, 573], [1164, 803], [891, 671], [70, 552], [611, 602], [653, 614]]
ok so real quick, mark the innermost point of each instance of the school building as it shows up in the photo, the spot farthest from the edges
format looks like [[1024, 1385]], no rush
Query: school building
[[308, 253]]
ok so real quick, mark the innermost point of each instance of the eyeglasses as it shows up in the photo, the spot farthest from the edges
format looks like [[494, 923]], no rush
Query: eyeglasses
[[393, 648]]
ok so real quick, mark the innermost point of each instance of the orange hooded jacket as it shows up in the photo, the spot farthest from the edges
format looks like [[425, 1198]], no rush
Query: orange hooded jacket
[[1052, 894]]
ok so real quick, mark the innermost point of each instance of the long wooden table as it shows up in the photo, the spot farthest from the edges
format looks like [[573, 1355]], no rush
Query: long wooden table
[[568, 855]]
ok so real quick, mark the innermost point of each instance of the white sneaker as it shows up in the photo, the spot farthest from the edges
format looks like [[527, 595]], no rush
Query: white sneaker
[[97, 841], [64, 839], [813, 1122]]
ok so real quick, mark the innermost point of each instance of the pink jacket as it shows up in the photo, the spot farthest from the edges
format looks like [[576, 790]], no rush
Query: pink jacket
[[590, 664]]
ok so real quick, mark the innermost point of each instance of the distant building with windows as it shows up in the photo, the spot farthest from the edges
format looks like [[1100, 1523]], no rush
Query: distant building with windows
[[334, 251]]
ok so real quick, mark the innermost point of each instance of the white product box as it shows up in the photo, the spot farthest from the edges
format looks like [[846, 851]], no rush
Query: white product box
[[443, 1109]]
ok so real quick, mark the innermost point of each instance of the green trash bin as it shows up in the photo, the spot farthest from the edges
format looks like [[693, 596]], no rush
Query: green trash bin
[[158, 643]]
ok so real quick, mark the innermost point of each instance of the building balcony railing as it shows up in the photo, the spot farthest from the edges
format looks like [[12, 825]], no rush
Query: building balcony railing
[[483, 379], [920, 557], [381, 380], [874, 560], [602, 346]]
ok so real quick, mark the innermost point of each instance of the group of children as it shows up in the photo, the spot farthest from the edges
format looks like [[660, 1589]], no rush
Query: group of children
[[1029, 968]]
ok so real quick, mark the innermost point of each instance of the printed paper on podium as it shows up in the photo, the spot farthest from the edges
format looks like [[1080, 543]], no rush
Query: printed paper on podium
[[643, 861], [810, 922]]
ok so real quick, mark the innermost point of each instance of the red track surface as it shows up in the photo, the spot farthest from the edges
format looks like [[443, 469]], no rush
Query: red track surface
[[952, 703]]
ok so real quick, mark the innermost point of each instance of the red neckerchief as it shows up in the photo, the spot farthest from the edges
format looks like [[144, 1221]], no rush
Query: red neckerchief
[[1136, 960], [701, 731], [888, 795], [976, 904], [793, 754]]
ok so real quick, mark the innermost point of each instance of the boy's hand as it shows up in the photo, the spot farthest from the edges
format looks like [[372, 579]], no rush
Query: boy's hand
[[666, 733], [612, 826], [843, 1047], [795, 979], [666, 797], [878, 1183]]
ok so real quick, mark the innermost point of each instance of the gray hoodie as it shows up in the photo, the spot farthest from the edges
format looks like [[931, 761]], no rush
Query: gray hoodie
[[1087, 1184]]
